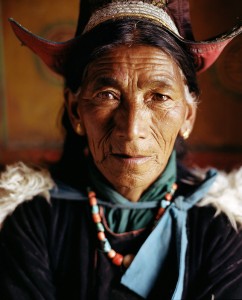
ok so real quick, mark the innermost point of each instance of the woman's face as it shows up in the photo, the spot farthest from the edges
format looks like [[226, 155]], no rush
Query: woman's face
[[132, 106]]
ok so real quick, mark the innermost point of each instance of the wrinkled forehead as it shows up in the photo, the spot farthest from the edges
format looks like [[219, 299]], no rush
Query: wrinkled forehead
[[137, 59], [137, 67]]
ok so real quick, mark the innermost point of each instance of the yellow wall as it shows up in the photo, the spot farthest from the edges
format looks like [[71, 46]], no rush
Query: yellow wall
[[31, 95], [219, 122]]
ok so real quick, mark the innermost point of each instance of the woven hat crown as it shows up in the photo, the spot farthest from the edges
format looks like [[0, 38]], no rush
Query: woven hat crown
[[164, 11]]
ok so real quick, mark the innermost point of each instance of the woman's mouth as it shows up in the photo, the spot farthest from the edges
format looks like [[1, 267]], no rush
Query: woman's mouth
[[131, 159]]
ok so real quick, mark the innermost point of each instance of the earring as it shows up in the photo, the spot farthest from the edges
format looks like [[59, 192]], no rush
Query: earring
[[186, 134], [79, 129]]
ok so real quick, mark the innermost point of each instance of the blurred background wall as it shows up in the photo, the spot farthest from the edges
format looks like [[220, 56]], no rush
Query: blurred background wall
[[31, 96]]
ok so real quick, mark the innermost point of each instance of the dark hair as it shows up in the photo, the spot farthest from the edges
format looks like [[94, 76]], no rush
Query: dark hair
[[101, 39], [128, 32]]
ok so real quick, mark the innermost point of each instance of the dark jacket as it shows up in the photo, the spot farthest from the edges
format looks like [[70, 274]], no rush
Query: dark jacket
[[49, 251]]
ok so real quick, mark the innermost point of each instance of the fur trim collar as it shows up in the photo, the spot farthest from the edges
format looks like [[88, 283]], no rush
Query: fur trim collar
[[19, 183], [226, 196]]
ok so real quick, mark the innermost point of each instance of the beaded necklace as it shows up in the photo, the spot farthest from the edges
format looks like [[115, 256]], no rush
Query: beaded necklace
[[117, 258]]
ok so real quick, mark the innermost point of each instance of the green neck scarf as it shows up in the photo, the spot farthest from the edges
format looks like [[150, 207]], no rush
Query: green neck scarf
[[123, 220]]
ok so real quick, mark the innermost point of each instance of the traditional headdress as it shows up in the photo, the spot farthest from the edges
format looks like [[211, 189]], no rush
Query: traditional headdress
[[173, 15]]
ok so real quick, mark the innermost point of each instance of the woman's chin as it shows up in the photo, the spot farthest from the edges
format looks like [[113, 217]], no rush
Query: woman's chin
[[131, 174]]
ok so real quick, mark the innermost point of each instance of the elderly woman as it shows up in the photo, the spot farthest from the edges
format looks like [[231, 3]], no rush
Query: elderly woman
[[122, 220]]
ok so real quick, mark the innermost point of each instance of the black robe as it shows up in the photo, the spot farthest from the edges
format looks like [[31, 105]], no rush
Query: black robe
[[49, 251]]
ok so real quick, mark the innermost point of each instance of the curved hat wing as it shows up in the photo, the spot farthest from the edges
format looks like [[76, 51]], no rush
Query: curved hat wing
[[54, 54], [206, 53]]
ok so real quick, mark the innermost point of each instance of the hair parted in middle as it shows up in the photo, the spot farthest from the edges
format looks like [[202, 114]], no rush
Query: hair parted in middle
[[130, 32]]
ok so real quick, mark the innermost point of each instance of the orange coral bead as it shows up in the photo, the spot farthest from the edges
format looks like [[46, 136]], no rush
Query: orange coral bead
[[159, 213], [101, 235], [96, 218], [91, 194], [168, 197], [128, 260], [174, 186], [161, 210], [93, 201], [118, 259], [111, 254]]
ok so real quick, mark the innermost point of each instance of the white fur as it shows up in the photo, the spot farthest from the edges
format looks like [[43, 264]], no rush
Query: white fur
[[20, 183], [226, 196]]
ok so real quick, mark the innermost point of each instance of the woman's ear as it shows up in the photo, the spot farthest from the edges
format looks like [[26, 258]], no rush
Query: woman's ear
[[74, 112], [187, 126]]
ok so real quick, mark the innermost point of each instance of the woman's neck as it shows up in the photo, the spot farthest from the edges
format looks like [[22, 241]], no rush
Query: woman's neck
[[131, 194]]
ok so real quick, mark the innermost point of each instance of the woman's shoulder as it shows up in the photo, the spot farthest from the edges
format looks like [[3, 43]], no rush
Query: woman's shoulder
[[20, 183], [215, 224], [225, 196], [214, 228], [26, 191], [220, 190]]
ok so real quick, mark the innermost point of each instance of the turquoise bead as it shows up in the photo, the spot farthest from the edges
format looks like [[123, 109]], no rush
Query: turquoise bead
[[106, 246], [95, 209], [165, 203], [100, 227]]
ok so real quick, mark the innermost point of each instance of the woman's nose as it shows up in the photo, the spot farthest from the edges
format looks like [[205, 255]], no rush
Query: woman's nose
[[131, 122]]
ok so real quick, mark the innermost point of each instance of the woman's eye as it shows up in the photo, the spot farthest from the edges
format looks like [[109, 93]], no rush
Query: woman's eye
[[106, 95], [160, 97]]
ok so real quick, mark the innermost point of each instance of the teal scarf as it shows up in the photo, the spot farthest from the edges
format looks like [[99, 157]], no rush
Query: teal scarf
[[153, 253], [123, 220]]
